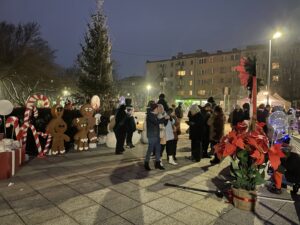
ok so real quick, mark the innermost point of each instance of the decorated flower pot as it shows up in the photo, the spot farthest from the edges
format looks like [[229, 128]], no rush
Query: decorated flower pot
[[243, 199]]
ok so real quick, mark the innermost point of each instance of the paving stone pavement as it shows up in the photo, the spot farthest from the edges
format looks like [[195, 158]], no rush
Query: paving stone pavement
[[99, 187]]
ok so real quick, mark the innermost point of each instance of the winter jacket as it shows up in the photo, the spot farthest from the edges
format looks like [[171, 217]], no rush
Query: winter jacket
[[216, 127], [152, 123], [121, 117], [196, 124]]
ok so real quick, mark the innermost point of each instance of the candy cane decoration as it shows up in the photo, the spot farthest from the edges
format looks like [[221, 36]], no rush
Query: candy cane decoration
[[34, 98], [48, 142], [13, 121], [31, 108]]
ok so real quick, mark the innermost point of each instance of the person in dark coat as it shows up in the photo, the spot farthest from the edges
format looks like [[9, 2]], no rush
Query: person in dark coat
[[236, 116], [212, 102], [196, 131], [262, 114], [120, 129], [179, 111], [130, 127], [163, 101], [216, 124], [153, 132], [206, 112], [246, 110]]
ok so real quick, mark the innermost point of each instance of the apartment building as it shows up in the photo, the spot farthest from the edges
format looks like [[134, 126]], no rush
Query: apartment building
[[196, 76]]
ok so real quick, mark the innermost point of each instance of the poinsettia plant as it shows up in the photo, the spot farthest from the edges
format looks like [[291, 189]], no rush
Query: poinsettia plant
[[249, 152]]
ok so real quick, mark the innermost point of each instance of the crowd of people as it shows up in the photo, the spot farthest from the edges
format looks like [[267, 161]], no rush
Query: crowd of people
[[162, 128]]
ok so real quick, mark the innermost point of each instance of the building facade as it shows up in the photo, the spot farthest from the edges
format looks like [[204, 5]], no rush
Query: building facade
[[197, 76]]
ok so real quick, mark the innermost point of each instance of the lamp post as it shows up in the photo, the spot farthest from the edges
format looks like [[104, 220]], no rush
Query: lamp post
[[148, 89], [275, 36]]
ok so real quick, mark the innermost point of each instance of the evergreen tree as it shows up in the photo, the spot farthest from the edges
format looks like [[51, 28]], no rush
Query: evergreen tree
[[94, 60]]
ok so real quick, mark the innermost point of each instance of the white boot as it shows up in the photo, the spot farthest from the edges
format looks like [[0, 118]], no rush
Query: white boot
[[171, 161]]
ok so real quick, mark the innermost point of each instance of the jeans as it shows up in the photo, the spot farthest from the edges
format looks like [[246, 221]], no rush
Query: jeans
[[153, 144]]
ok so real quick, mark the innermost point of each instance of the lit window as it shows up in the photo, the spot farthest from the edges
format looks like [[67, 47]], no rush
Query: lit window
[[275, 65], [201, 92], [191, 82], [191, 72], [275, 78], [190, 92], [181, 73]]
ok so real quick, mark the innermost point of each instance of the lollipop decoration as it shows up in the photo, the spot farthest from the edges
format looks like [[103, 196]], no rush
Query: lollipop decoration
[[6, 107], [14, 122]]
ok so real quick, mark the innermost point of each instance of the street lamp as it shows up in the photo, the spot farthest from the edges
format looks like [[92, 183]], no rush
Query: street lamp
[[148, 89], [275, 36]]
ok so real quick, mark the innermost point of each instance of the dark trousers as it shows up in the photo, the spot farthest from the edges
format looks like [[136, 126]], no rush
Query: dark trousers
[[170, 147], [162, 149], [129, 137], [175, 147], [196, 147], [120, 136]]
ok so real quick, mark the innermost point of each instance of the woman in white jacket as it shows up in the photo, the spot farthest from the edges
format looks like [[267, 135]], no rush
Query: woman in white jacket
[[170, 138]]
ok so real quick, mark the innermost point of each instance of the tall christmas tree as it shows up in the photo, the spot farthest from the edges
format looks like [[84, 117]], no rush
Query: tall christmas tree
[[94, 59]]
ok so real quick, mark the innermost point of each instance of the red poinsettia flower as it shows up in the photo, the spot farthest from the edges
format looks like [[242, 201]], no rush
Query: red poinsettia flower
[[275, 154], [258, 156], [229, 149], [244, 76]]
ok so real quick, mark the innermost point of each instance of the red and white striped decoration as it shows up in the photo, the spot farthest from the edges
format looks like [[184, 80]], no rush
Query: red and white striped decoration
[[34, 98], [48, 142], [13, 121], [31, 109]]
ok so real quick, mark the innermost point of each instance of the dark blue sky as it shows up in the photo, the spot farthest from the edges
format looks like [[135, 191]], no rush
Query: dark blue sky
[[143, 30]]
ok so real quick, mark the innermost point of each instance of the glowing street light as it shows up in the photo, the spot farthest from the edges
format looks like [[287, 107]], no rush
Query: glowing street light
[[275, 36], [148, 89]]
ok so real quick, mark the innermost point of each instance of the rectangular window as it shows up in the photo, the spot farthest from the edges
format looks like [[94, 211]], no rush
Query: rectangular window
[[191, 83], [275, 78], [211, 59], [181, 93], [171, 64], [275, 65], [192, 62], [212, 70], [190, 92], [181, 73], [201, 92], [191, 72]]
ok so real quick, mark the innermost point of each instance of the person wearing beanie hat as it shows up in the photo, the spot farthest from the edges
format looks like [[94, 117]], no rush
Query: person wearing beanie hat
[[152, 123]]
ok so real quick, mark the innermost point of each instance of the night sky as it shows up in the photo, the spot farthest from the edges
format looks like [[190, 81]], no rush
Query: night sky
[[143, 30]]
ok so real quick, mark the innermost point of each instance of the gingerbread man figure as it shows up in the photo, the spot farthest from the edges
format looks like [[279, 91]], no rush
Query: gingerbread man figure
[[81, 137], [57, 127], [87, 112]]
